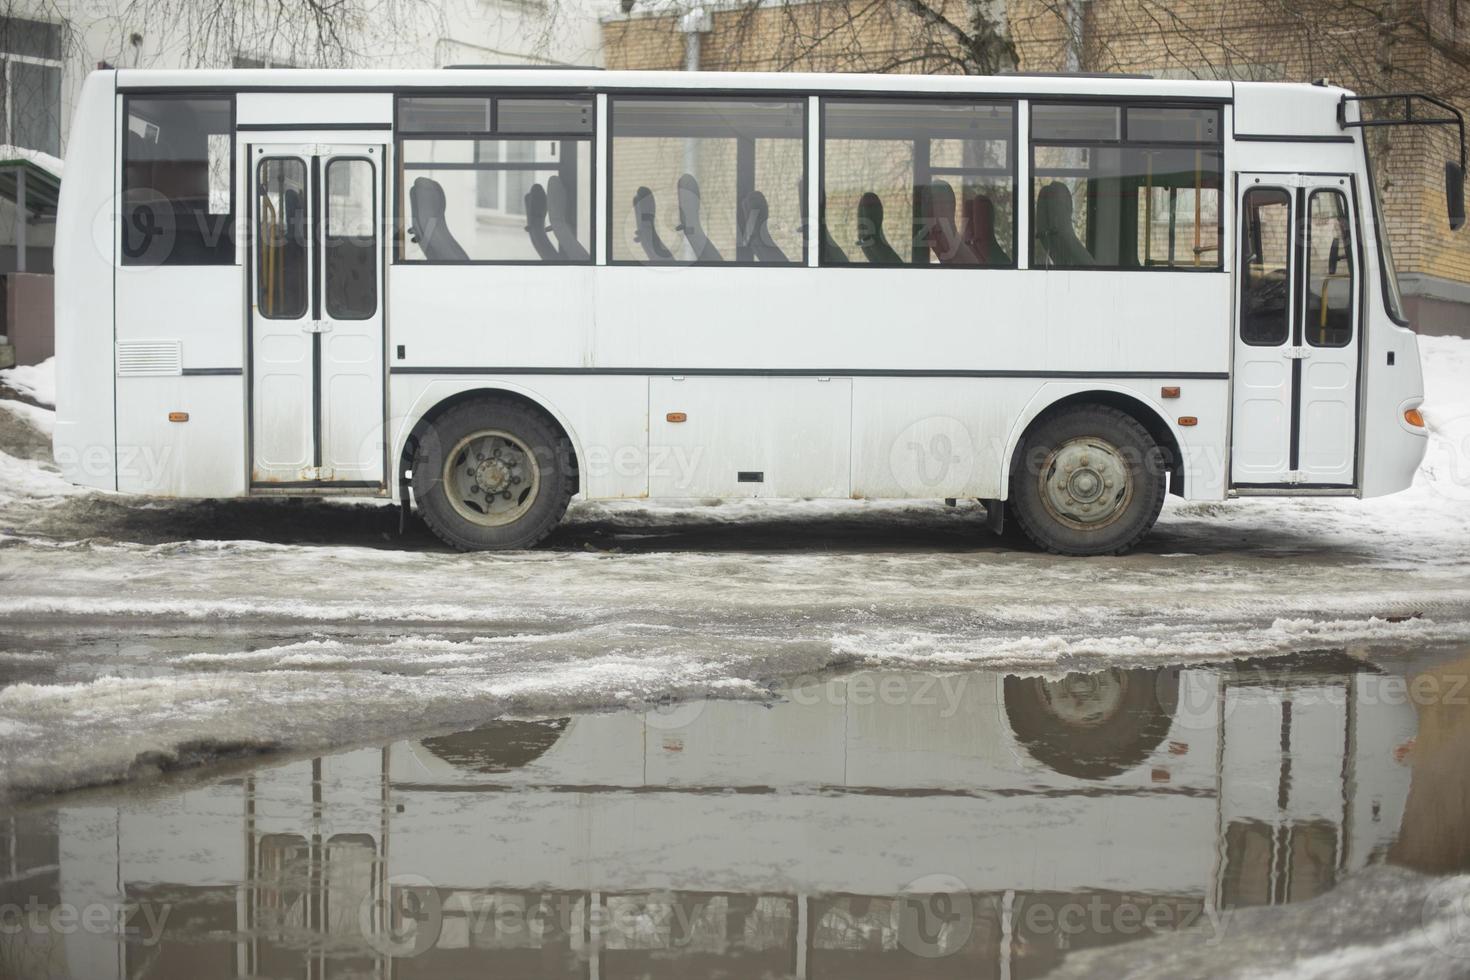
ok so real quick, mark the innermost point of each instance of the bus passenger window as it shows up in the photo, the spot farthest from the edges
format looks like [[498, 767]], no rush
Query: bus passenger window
[[1265, 261], [495, 179], [1329, 271], [178, 181], [351, 264], [685, 172], [918, 183], [281, 238], [1125, 189]]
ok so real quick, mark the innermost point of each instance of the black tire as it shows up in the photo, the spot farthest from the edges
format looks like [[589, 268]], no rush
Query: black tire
[[536, 508], [1118, 459], [1118, 732]]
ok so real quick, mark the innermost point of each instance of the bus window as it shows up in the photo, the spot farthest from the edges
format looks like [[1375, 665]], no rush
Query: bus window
[[281, 237], [492, 179], [351, 258], [707, 180], [1329, 271], [178, 175], [1116, 190], [1265, 259], [918, 183]]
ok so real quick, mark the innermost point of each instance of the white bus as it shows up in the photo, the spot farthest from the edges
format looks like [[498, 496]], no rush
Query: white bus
[[482, 292]]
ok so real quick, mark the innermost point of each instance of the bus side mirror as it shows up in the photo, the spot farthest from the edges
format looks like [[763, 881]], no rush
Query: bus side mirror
[[1454, 192]]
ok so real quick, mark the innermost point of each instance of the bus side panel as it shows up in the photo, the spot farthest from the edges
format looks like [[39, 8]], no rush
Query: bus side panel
[[199, 308], [85, 443], [1389, 449], [939, 437], [606, 418]]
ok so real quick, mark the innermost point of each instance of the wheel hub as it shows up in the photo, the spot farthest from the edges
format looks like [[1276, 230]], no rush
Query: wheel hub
[[492, 476], [1085, 700], [1086, 483]]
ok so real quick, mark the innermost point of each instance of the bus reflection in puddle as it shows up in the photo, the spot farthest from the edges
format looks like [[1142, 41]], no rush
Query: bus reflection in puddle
[[875, 824]]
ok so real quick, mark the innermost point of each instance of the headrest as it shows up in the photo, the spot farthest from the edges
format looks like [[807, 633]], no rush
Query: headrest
[[428, 195], [535, 204]]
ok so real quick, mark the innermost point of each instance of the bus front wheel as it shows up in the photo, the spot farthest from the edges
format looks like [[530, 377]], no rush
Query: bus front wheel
[[1090, 481], [492, 474]]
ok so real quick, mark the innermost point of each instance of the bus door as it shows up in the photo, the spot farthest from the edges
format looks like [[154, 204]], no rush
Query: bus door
[[316, 315], [1295, 413]]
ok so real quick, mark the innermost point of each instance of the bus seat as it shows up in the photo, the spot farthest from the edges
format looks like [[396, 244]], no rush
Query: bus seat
[[830, 252], [755, 234], [645, 213], [429, 230], [871, 240], [557, 209], [1054, 231], [938, 226], [688, 195], [536, 224], [980, 231]]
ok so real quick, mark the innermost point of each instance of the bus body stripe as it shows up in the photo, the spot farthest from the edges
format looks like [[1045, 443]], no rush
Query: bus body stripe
[[818, 372]]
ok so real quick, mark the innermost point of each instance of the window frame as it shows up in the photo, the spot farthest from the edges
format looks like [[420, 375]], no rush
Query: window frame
[[400, 135], [257, 241], [1349, 254], [1014, 165], [695, 95], [1293, 265], [1216, 146], [233, 224], [327, 236], [7, 80]]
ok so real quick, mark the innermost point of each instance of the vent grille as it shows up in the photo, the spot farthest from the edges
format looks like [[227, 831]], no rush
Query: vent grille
[[149, 358]]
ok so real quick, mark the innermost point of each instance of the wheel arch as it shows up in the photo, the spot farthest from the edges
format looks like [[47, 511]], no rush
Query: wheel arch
[[1051, 400], [431, 404]]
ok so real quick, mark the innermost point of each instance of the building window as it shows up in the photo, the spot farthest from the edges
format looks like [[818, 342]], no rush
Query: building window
[[709, 181], [30, 70], [491, 179], [178, 180], [1135, 187], [918, 183]]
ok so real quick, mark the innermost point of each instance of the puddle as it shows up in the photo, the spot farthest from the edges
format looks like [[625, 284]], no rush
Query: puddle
[[875, 824]]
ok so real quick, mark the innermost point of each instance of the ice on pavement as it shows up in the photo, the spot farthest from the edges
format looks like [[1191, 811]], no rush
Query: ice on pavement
[[1382, 923], [163, 631]]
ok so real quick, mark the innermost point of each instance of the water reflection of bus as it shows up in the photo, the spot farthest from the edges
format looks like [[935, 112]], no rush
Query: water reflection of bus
[[873, 823]]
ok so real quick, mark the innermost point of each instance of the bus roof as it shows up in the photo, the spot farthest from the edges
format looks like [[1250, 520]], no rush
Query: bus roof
[[590, 79]]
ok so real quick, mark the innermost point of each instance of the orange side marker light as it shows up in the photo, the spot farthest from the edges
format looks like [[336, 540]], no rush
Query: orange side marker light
[[178, 416], [1414, 417], [1188, 420]]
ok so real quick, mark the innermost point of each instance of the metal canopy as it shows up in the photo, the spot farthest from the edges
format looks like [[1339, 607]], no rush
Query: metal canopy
[[41, 187]]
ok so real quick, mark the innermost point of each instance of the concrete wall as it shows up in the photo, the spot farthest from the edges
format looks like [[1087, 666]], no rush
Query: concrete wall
[[29, 316]]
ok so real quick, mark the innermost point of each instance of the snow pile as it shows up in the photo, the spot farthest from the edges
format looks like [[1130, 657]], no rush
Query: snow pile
[[36, 382], [53, 164]]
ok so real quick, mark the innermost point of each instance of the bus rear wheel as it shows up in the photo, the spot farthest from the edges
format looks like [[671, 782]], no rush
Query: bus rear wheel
[[492, 474], [1090, 481]]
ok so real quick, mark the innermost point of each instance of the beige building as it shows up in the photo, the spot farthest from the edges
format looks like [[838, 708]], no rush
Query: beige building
[[1411, 45]]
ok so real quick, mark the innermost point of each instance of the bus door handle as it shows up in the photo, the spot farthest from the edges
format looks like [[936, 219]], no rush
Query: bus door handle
[[316, 326]]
